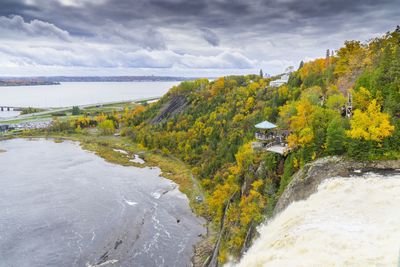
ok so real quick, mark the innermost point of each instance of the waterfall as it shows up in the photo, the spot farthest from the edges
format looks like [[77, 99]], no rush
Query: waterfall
[[353, 221]]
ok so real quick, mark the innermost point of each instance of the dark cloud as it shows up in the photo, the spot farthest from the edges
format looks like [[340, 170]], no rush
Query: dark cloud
[[8, 7], [261, 16], [251, 33], [210, 36]]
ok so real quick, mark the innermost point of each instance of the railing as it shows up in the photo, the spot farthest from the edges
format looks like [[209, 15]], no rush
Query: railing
[[265, 137]]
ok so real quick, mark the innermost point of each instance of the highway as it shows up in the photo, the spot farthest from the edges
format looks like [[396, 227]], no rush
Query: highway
[[64, 109]]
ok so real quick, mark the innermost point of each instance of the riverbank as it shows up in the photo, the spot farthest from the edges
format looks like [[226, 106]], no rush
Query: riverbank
[[122, 151]]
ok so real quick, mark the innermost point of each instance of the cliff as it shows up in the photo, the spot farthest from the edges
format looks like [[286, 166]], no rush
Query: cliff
[[305, 182]]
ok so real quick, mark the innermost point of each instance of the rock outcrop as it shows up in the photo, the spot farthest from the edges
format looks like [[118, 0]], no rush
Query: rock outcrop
[[305, 182], [172, 107]]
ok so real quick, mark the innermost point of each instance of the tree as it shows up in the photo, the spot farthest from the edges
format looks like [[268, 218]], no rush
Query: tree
[[76, 110], [301, 65], [335, 138], [361, 98], [336, 102], [371, 124]]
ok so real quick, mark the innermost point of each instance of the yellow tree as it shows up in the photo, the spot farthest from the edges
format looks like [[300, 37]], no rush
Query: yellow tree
[[299, 122], [361, 98], [371, 124]]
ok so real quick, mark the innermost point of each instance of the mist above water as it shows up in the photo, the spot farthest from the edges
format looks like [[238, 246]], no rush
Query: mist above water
[[347, 222]]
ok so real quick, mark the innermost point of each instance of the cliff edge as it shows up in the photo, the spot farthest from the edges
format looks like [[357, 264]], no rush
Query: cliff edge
[[305, 182]]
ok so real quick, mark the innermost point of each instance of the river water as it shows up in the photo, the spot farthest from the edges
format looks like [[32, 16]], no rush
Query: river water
[[348, 222], [63, 206], [80, 93]]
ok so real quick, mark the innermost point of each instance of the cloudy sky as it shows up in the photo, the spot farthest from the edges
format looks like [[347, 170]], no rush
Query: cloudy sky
[[180, 37]]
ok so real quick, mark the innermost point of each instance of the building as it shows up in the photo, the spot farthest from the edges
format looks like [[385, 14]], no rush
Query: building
[[282, 80], [4, 128]]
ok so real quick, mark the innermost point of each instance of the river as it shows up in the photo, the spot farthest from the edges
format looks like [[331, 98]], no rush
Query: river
[[80, 93], [63, 206], [350, 221]]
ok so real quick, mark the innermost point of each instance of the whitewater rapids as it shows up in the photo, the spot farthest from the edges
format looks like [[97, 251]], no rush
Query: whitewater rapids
[[348, 222]]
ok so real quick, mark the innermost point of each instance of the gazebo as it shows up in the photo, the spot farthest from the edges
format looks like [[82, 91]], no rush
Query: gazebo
[[265, 131], [270, 138]]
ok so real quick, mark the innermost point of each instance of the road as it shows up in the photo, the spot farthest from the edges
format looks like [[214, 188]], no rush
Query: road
[[64, 109]]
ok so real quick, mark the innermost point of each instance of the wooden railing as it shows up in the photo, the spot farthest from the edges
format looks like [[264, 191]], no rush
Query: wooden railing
[[264, 137]]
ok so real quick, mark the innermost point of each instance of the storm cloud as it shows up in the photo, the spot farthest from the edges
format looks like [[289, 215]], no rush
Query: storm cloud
[[210, 36], [181, 37]]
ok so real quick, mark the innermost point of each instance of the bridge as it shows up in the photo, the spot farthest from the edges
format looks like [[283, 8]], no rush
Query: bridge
[[7, 108]]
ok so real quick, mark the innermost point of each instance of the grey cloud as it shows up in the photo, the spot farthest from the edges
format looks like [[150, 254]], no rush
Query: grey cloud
[[153, 39], [145, 37], [9, 7], [261, 15], [34, 28], [261, 32], [87, 56], [210, 36]]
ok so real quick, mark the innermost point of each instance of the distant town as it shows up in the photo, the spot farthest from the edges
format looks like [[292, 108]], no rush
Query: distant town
[[55, 80]]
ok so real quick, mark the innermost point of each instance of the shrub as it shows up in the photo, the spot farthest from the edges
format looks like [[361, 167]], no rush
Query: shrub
[[106, 127]]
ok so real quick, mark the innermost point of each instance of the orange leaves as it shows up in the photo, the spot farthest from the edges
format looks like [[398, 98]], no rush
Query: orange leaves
[[317, 66], [218, 86]]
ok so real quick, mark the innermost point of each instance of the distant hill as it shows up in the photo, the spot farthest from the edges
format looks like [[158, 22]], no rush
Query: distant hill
[[8, 81], [26, 82]]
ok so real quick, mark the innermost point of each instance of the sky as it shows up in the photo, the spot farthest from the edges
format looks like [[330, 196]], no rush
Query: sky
[[196, 38]]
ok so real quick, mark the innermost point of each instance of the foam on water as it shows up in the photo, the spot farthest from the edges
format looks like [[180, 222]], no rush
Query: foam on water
[[137, 159], [347, 222]]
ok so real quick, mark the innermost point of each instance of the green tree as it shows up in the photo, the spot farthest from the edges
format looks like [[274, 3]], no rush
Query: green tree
[[76, 110], [335, 138]]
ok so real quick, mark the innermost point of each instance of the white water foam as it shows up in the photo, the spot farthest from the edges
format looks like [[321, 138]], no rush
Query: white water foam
[[347, 222], [131, 203], [137, 159]]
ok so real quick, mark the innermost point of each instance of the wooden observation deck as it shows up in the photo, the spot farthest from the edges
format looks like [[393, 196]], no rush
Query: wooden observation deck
[[270, 138]]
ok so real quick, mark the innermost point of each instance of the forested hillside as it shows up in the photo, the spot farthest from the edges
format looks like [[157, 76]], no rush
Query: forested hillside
[[210, 126]]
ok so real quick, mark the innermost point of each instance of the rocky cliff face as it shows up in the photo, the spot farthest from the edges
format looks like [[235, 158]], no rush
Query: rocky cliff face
[[305, 182], [174, 106]]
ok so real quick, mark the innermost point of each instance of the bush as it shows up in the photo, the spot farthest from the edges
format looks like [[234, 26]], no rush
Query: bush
[[30, 110], [59, 114], [106, 127]]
